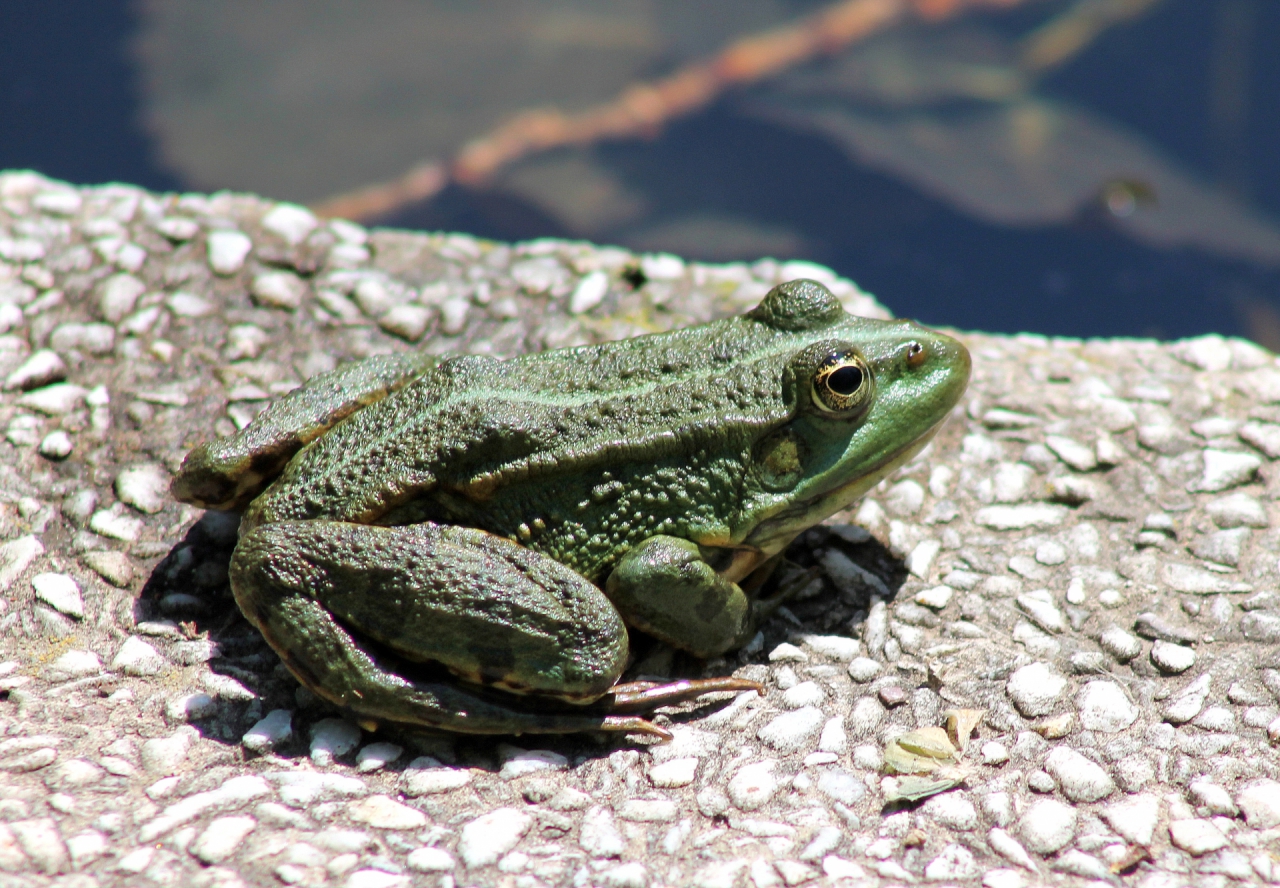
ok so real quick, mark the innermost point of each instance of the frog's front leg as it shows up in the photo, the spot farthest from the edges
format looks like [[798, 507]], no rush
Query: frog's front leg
[[345, 604], [666, 588]]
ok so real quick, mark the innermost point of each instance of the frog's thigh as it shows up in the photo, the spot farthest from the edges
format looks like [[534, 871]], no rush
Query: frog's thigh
[[227, 473], [483, 606], [664, 587]]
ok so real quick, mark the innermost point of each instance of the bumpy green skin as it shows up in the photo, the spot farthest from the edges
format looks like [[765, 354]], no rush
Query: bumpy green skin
[[665, 469]]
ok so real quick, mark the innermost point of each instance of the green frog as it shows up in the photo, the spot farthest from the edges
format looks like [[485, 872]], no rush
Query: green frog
[[463, 543]]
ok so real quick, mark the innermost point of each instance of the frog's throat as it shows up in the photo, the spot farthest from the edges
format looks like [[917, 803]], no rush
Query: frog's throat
[[776, 532]]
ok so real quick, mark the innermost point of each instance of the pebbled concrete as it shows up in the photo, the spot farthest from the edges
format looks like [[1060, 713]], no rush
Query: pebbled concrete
[[1089, 552]]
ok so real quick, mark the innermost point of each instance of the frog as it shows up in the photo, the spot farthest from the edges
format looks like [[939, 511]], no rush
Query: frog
[[466, 544]]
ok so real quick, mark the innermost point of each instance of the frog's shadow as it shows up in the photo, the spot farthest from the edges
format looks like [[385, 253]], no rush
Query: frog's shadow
[[189, 586]]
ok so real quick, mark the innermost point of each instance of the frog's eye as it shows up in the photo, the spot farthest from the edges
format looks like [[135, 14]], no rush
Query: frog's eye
[[842, 383]]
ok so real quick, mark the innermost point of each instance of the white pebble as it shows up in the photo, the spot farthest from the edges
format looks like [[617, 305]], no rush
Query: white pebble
[[1119, 644], [56, 445], [836, 647], [430, 860], [40, 839], [60, 592], [936, 597], [144, 486], [1224, 469], [1010, 849], [426, 776], [190, 707], [662, 267], [1134, 818], [1172, 658], [222, 837], [841, 786], [834, 739], [227, 251], [1080, 779], [1185, 705], [453, 315], [807, 693], [1196, 837], [1073, 453], [86, 847], [787, 653], [492, 835], [1260, 802], [904, 499], [376, 756], [1035, 689], [278, 289], [754, 785], [118, 295], [677, 772], [1041, 515], [792, 731], [54, 400], [269, 732], [589, 293], [384, 812], [73, 664], [1051, 553], [189, 305], [952, 809], [520, 762], [42, 368], [599, 835], [163, 756], [1047, 825], [97, 339], [863, 669], [1212, 797], [177, 228], [955, 863], [409, 322], [137, 657], [1104, 707], [994, 753], [331, 738], [1038, 604], [292, 222]]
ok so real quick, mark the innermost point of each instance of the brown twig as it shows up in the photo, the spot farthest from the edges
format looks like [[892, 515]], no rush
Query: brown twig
[[642, 109]]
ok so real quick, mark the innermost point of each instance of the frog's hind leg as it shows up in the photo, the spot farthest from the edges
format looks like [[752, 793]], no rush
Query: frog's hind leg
[[350, 608], [227, 473]]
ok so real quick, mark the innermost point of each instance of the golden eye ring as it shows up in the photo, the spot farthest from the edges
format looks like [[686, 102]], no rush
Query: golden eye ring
[[842, 383]]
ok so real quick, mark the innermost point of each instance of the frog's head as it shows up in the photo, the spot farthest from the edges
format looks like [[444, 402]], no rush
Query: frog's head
[[863, 396]]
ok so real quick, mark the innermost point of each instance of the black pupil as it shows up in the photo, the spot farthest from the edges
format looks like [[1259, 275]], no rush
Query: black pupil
[[845, 381]]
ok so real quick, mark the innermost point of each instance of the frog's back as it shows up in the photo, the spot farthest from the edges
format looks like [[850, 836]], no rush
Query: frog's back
[[473, 424]]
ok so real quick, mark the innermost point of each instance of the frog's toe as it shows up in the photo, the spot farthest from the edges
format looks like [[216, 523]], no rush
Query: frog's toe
[[643, 696]]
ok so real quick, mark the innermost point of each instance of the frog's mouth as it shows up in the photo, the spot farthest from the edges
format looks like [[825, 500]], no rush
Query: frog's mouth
[[776, 532]]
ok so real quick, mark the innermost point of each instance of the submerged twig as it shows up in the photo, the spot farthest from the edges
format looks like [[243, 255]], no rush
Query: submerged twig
[[642, 109]]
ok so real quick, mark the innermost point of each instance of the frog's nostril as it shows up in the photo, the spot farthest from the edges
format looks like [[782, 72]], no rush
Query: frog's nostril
[[916, 354]]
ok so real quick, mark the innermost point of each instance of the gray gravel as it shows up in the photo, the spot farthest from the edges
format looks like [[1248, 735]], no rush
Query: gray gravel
[[1089, 552]]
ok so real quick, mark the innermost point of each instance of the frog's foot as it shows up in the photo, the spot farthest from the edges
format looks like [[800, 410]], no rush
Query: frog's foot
[[645, 696]]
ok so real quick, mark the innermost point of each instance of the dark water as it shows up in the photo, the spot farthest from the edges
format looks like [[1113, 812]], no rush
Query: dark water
[[1206, 95]]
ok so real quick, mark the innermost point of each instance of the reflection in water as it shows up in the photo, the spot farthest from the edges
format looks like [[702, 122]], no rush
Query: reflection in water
[[1229, 92], [930, 162]]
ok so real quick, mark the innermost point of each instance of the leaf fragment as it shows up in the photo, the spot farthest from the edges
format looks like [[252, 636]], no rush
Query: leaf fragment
[[961, 724], [931, 742]]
